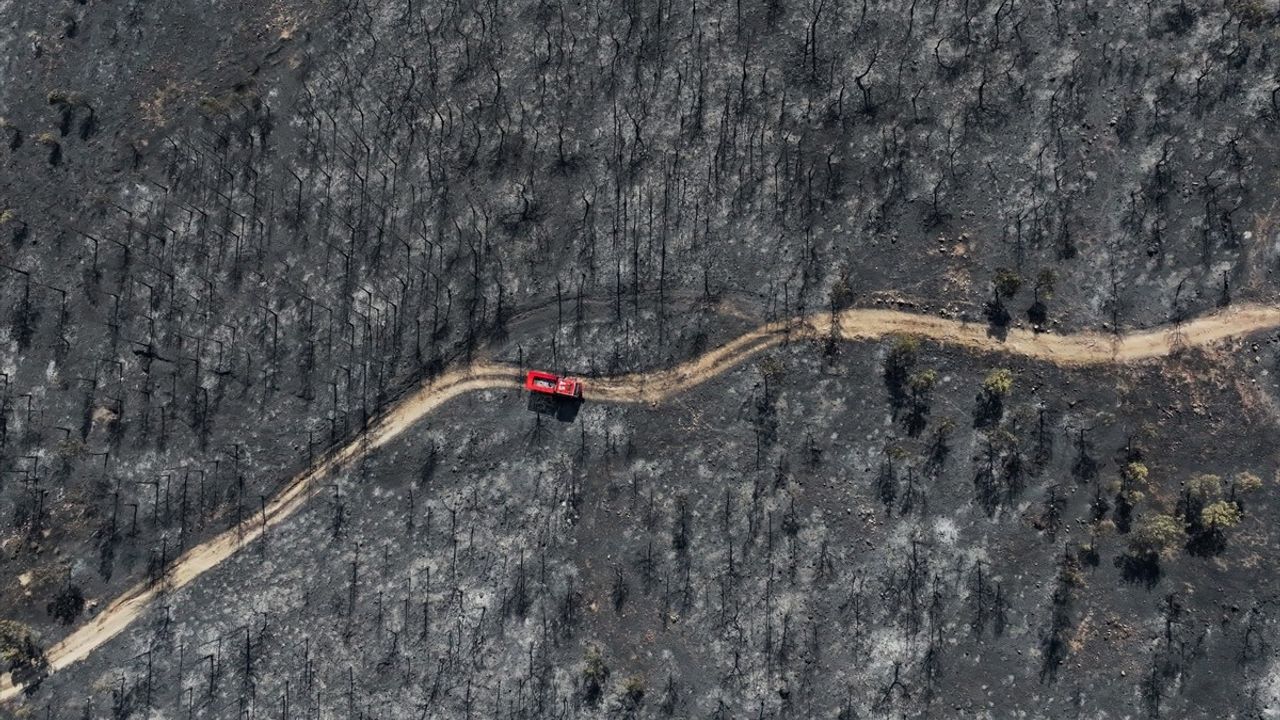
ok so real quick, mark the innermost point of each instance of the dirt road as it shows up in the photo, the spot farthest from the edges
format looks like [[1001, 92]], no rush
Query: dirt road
[[1076, 350], [1079, 349]]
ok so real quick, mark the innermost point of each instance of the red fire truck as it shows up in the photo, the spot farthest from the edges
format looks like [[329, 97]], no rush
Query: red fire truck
[[547, 383]]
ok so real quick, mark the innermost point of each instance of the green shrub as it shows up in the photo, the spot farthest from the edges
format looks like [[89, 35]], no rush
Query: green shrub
[[1008, 282], [841, 293], [1220, 515], [1247, 482], [1157, 536], [595, 673], [594, 668], [1204, 487], [18, 647], [1136, 473], [902, 354], [1046, 281], [633, 690], [922, 381], [998, 382]]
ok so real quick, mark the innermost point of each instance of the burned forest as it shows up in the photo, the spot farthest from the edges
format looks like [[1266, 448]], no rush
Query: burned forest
[[392, 359]]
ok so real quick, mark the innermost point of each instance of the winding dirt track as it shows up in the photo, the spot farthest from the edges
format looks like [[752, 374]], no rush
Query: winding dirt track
[[1079, 349]]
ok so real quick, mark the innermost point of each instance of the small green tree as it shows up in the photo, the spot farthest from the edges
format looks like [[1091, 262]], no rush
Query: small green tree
[[1038, 312], [904, 351], [921, 382], [595, 673], [1252, 13], [1242, 484], [990, 408], [771, 368], [771, 371], [1157, 536], [1132, 486], [998, 382], [841, 295], [1136, 473], [1046, 281], [63, 97], [633, 689], [1220, 516], [1245, 482], [50, 141], [1007, 283], [14, 133], [1203, 487], [19, 650]]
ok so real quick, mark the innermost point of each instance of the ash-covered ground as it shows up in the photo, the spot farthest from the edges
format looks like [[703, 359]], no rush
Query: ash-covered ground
[[232, 234]]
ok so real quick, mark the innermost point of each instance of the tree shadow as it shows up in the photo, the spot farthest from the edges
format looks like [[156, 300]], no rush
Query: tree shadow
[[938, 450], [895, 382], [1013, 475], [1090, 556], [562, 409], [987, 491], [1179, 20], [1207, 543], [1084, 468], [1053, 649], [1139, 569], [917, 418], [887, 486], [998, 319], [987, 410], [1122, 514], [1038, 314], [1054, 643]]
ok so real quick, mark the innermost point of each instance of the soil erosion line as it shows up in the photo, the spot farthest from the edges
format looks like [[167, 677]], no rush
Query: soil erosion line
[[1079, 349]]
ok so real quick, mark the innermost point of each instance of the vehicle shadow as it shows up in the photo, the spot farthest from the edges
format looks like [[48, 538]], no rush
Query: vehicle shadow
[[562, 409]]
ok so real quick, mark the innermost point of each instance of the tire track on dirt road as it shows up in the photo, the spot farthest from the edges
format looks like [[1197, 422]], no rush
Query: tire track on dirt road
[[1074, 350]]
